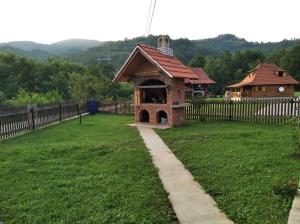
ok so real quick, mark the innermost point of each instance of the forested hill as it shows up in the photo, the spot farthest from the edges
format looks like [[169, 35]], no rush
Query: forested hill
[[64, 48], [232, 43], [184, 49], [118, 51], [93, 51]]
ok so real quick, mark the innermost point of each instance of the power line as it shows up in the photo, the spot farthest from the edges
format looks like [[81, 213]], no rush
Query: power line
[[151, 17], [148, 17]]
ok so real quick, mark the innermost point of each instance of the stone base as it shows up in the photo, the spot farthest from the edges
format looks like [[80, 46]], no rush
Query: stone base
[[147, 125]]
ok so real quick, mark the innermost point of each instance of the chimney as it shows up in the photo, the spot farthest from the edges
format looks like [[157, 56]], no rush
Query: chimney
[[163, 45]]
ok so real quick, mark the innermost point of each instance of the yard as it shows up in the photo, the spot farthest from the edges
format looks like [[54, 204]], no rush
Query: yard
[[237, 164], [99, 172], [297, 94]]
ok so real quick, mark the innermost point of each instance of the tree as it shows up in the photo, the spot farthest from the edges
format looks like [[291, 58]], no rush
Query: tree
[[221, 71], [276, 56], [243, 61], [291, 61], [197, 61], [25, 97], [2, 97], [78, 87]]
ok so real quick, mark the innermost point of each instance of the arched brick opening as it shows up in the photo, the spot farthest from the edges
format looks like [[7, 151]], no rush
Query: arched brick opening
[[144, 116], [162, 117]]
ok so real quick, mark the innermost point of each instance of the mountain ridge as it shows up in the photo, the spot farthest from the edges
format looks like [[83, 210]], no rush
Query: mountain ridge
[[61, 48], [89, 51], [183, 48]]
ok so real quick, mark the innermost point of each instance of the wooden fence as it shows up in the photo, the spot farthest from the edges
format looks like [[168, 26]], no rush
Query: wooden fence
[[117, 107], [16, 119], [270, 110]]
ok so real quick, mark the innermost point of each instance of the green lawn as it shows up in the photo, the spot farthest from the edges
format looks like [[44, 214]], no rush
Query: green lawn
[[297, 94], [237, 163], [99, 172]]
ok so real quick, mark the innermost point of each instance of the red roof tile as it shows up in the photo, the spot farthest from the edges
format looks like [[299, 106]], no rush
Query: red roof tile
[[170, 65], [265, 74], [202, 77]]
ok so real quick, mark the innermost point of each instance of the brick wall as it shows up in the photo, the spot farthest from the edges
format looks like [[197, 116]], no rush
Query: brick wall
[[175, 95]]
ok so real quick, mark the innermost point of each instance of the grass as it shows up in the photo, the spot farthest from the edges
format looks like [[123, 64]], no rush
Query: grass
[[297, 94], [237, 164], [99, 172]]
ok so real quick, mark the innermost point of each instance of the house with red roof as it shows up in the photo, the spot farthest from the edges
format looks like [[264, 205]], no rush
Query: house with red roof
[[158, 78], [265, 80], [199, 86]]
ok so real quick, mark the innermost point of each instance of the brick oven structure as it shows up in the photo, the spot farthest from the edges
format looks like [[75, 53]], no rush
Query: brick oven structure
[[158, 79]]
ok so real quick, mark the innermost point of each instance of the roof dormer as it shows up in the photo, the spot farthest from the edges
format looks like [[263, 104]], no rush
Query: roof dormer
[[281, 73]]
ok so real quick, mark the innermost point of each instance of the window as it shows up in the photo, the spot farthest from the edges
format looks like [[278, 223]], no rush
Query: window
[[280, 73], [261, 88]]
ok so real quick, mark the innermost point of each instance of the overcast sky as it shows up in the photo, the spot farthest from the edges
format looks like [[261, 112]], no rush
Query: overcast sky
[[47, 21]]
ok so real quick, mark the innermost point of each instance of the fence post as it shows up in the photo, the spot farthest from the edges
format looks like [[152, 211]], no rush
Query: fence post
[[78, 113], [116, 107], [292, 107], [60, 112], [32, 118], [230, 109]]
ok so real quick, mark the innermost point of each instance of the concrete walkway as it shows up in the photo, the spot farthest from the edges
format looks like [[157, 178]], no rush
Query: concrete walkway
[[189, 201], [294, 217]]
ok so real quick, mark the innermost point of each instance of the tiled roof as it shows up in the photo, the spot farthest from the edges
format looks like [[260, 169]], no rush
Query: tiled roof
[[265, 74], [170, 65], [202, 77]]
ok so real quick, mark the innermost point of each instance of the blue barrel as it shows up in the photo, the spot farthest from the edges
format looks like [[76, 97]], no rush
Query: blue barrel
[[92, 107]]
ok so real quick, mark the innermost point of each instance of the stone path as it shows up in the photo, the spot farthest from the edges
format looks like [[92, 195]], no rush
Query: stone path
[[189, 201], [146, 125], [294, 217]]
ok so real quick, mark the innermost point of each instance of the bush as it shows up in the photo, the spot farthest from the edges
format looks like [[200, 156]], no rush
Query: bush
[[24, 97], [286, 187], [2, 97]]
